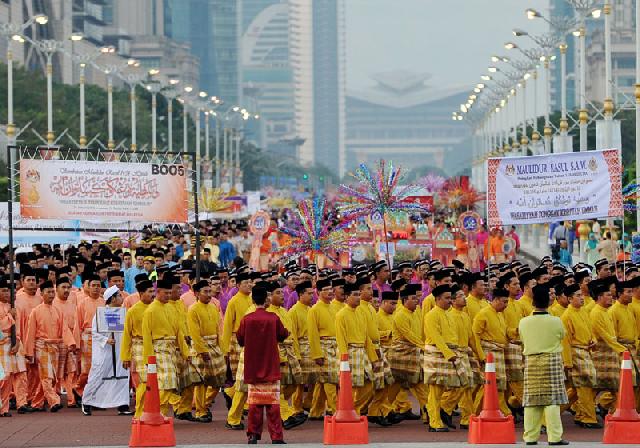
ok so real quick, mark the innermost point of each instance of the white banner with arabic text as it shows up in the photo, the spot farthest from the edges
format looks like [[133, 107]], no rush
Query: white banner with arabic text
[[554, 187]]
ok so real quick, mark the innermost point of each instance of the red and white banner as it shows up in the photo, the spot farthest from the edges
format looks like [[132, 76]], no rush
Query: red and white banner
[[103, 191], [555, 187]]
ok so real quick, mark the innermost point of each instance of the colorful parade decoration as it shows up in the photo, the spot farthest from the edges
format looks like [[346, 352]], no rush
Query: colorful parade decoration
[[378, 193], [315, 231]]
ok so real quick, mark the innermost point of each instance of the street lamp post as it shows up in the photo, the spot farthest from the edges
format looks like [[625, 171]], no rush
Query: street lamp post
[[49, 47], [609, 104], [111, 70], [154, 88], [84, 59], [170, 94], [583, 9], [132, 79], [15, 32]]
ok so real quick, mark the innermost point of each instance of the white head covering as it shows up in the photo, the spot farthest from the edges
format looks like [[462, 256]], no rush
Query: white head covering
[[110, 292]]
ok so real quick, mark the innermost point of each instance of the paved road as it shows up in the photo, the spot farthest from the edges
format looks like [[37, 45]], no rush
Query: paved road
[[70, 428]]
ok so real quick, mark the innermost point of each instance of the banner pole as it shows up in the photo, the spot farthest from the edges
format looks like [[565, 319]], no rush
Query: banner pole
[[12, 286], [194, 180]]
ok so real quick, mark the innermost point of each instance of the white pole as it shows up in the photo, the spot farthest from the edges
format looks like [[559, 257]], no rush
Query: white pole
[[548, 132], [185, 141], [231, 167], [50, 136], [83, 135], [132, 98], [608, 101], [111, 143], [525, 140], [10, 131], [207, 147], [197, 109], [564, 125], [154, 106], [218, 165], [170, 123], [584, 117]]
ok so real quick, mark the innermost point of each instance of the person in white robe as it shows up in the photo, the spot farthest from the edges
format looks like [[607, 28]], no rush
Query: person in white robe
[[108, 383]]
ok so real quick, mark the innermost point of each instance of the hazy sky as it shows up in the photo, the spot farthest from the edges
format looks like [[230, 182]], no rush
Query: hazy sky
[[451, 39]]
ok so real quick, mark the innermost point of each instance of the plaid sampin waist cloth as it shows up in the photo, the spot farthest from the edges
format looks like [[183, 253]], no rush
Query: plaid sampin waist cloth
[[544, 380], [498, 358], [307, 365], [166, 351], [212, 372], [290, 369], [438, 370], [361, 369], [11, 363], [607, 364], [50, 355], [329, 371]]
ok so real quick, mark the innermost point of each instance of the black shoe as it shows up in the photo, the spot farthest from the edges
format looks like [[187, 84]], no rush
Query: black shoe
[[394, 418], [204, 419], [447, 419], [86, 409], [293, 421], [5, 414], [380, 421], [12, 404], [592, 425], [278, 442], [578, 423], [464, 426], [253, 440], [42, 409], [55, 408], [26, 409], [531, 443], [438, 429], [238, 427], [408, 415], [187, 416], [559, 442]]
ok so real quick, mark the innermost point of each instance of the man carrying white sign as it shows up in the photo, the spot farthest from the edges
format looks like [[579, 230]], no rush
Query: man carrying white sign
[[108, 384]]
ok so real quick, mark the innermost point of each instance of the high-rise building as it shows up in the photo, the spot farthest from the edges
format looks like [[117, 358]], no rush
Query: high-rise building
[[561, 8], [317, 42], [623, 56], [267, 75], [211, 28]]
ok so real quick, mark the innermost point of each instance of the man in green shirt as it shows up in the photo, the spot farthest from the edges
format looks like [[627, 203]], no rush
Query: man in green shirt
[[544, 389]]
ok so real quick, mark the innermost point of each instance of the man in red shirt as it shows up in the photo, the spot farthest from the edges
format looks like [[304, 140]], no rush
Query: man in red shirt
[[262, 367]]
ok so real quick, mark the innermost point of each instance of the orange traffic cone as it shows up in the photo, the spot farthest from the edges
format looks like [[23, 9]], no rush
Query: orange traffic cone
[[491, 426], [623, 427], [345, 427], [153, 429]]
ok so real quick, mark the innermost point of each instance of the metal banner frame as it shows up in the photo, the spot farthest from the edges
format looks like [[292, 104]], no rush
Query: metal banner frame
[[17, 153]]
